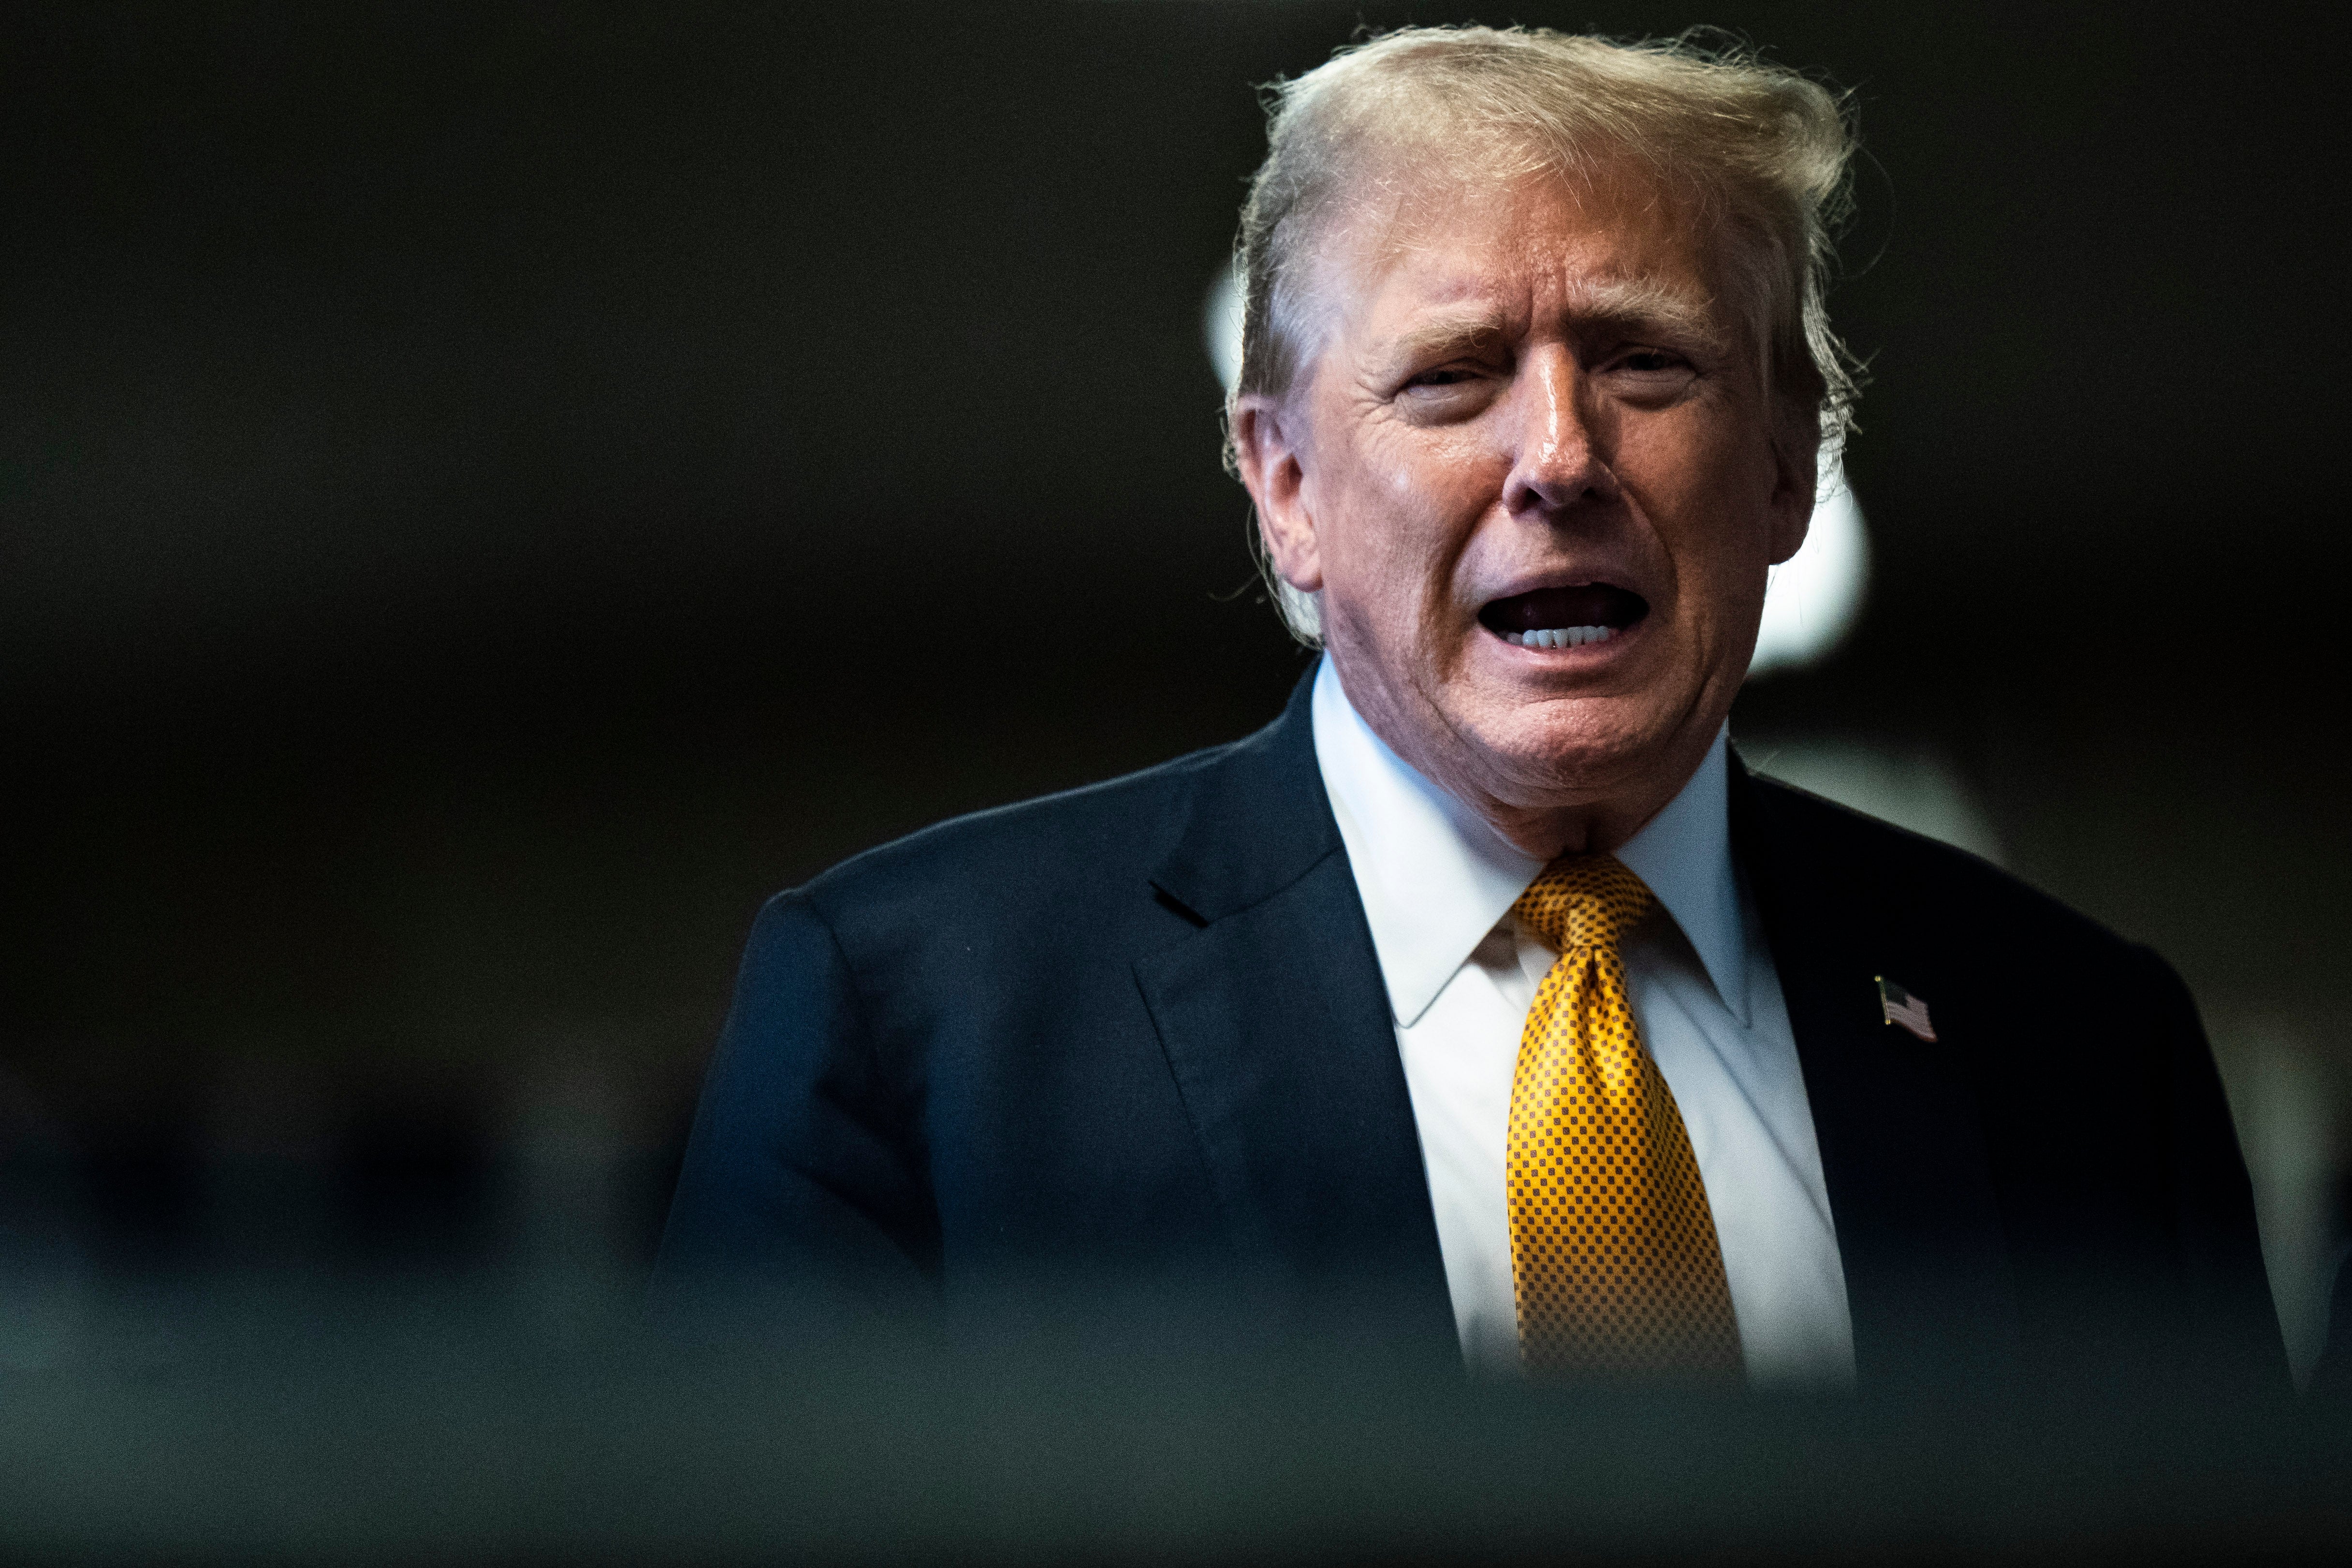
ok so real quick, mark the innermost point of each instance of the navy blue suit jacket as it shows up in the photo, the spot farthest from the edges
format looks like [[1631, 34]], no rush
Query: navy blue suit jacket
[[1137, 1033]]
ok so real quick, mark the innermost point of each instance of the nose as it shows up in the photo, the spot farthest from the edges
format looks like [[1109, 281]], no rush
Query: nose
[[1558, 462]]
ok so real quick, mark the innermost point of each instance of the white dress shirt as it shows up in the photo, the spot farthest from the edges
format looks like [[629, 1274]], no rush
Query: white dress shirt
[[1438, 884]]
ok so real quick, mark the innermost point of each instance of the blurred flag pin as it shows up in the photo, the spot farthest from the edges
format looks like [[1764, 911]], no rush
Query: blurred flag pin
[[1901, 1007]]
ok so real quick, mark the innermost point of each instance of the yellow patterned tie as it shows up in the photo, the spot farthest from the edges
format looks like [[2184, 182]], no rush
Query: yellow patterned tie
[[1613, 1253]]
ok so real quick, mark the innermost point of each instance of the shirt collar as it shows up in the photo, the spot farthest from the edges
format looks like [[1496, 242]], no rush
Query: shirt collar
[[1683, 853], [1435, 878]]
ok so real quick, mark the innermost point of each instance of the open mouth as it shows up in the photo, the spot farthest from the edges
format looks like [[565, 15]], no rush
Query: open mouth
[[1564, 617]]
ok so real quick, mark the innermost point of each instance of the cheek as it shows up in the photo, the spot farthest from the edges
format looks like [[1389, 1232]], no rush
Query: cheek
[[1399, 509], [1710, 509], [1434, 511], [1394, 517], [1439, 489]]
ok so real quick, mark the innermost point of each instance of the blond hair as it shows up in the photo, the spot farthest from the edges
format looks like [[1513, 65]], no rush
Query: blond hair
[[1760, 150]]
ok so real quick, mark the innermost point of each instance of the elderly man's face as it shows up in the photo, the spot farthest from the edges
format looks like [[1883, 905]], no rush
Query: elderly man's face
[[1531, 466]]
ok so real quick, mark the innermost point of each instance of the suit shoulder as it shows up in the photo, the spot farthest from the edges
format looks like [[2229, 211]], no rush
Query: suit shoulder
[[1097, 830], [1926, 873]]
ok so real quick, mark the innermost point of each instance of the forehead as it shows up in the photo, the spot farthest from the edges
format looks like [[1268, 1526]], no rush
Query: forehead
[[1523, 249]]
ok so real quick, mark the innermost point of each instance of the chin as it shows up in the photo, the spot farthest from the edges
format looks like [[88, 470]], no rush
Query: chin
[[1566, 750]]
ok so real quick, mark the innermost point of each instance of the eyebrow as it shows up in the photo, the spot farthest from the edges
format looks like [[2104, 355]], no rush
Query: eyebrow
[[1634, 303], [1444, 336], [1641, 303]]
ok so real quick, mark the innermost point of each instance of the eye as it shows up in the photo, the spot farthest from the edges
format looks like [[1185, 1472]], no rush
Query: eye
[[1651, 362], [1650, 376], [1450, 391]]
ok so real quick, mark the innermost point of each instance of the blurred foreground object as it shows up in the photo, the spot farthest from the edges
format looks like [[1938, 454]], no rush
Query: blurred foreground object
[[431, 1429]]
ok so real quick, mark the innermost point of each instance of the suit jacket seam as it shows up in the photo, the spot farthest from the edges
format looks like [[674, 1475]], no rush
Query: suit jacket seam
[[898, 1133]]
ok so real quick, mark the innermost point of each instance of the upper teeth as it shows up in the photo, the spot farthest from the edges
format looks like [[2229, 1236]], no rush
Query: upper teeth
[[1561, 636]]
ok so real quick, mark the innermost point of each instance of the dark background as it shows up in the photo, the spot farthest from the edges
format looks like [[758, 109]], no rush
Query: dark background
[[489, 492]]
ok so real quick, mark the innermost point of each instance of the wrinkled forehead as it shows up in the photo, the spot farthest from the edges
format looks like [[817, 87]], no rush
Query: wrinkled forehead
[[1415, 230]]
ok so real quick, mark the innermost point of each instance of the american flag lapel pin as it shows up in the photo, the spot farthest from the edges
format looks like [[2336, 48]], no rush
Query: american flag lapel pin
[[1901, 1007]]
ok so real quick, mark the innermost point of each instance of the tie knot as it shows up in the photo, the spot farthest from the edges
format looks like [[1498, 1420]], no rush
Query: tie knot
[[1584, 900]]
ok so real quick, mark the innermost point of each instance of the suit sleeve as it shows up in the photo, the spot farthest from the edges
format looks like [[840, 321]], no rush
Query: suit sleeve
[[2227, 1289], [803, 1183]]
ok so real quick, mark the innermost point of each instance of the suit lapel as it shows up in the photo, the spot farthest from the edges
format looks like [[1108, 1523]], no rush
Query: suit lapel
[[1902, 1150], [1277, 1028]]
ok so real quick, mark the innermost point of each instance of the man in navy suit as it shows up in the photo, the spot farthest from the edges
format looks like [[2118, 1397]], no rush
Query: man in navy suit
[[1535, 377]]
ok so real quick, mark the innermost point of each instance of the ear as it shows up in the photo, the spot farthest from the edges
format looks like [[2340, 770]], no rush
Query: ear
[[1273, 469], [1796, 480]]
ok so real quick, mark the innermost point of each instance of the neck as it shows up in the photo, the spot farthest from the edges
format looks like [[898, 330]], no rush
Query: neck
[[1542, 816], [1549, 833]]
